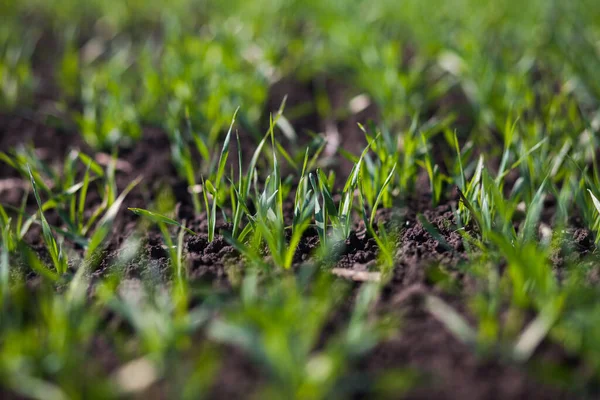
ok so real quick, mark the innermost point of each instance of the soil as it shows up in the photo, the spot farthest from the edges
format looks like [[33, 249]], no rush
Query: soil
[[450, 368]]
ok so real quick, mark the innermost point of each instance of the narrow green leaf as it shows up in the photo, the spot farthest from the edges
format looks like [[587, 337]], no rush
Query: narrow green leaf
[[380, 194], [36, 264], [225, 152], [595, 200], [158, 218], [82, 197], [55, 253], [453, 321], [534, 211], [432, 230], [210, 187], [105, 224], [93, 165]]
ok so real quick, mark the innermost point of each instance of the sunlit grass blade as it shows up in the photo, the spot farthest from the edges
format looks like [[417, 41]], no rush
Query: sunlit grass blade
[[518, 162], [538, 329], [58, 258], [4, 263], [595, 200], [381, 193], [82, 198], [534, 211], [320, 211], [34, 262], [451, 319], [473, 213], [159, 218], [105, 224], [463, 180], [93, 165], [224, 153]]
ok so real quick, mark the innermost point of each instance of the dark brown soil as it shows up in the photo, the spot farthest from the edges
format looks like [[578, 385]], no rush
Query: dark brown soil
[[451, 368]]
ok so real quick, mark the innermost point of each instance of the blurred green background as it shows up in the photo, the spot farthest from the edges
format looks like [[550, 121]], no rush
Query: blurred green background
[[113, 66]]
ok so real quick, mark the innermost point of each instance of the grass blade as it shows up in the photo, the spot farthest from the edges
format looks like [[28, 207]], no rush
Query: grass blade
[[380, 194], [159, 218], [533, 214], [105, 224], [58, 259]]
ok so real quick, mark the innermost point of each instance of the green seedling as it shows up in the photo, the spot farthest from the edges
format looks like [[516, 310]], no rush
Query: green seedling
[[59, 259], [279, 326]]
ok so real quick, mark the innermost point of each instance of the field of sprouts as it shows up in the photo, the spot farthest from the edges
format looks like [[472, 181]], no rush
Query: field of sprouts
[[299, 199]]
